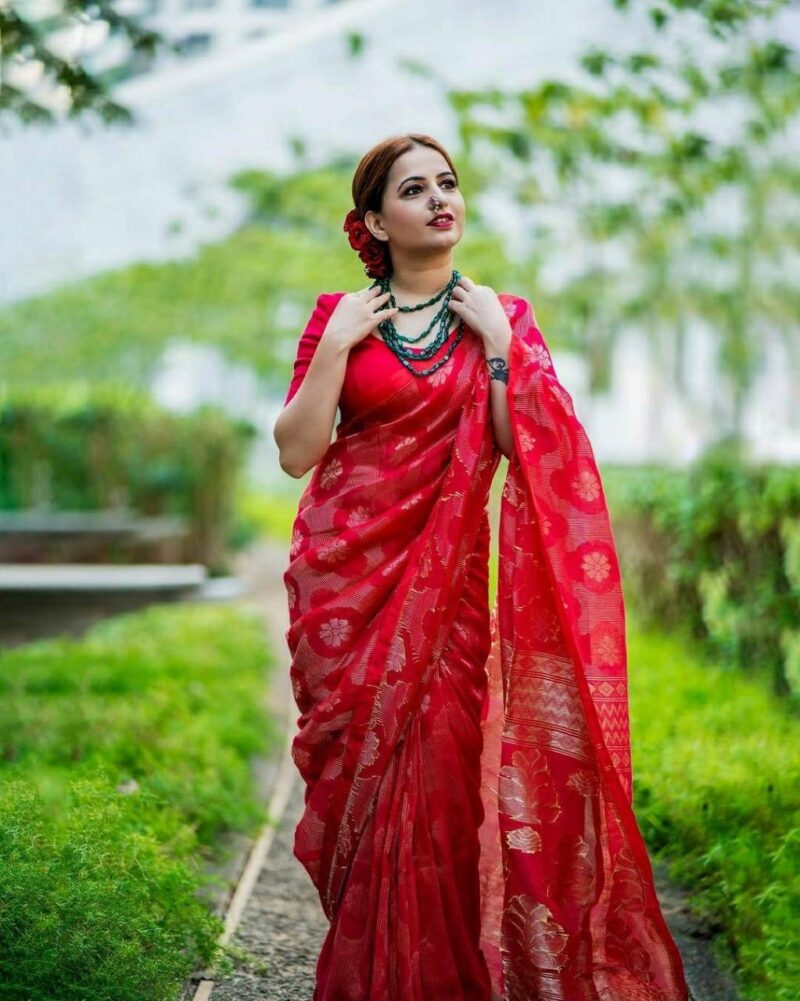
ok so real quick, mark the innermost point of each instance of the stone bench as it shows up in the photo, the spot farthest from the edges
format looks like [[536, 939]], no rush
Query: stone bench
[[40, 600], [36, 536]]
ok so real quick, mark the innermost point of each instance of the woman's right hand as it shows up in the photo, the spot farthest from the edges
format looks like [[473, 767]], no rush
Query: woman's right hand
[[357, 314]]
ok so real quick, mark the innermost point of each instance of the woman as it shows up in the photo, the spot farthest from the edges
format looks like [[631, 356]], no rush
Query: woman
[[468, 821]]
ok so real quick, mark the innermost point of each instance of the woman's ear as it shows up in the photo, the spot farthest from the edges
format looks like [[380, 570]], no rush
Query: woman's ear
[[373, 224]]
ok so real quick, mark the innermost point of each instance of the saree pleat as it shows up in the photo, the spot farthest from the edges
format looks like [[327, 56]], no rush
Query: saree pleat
[[468, 821]]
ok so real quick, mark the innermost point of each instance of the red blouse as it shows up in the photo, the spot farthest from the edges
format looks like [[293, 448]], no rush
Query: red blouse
[[373, 371]]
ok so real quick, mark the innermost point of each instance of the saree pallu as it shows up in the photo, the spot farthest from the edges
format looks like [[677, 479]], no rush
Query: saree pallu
[[468, 819]]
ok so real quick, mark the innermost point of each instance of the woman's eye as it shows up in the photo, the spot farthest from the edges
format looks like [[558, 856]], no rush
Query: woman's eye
[[413, 187]]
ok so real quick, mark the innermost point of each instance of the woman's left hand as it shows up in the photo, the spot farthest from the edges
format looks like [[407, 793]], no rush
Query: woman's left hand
[[479, 307]]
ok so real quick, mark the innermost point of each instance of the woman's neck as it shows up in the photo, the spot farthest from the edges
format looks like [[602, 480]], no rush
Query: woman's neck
[[419, 286]]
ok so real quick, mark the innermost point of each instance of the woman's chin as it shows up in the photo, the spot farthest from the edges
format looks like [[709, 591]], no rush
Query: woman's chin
[[443, 238]]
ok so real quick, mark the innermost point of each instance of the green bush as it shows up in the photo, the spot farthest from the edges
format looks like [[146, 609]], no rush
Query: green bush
[[124, 756], [716, 762], [717, 547], [74, 447], [94, 905]]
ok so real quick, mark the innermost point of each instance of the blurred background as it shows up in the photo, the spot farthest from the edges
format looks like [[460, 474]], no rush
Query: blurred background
[[175, 177]]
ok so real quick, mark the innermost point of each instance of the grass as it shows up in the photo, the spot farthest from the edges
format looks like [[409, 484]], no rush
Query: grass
[[126, 754], [716, 762]]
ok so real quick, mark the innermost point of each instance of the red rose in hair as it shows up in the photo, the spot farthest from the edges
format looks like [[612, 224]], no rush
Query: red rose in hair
[[371, 251], [356, 229], [373, 256]]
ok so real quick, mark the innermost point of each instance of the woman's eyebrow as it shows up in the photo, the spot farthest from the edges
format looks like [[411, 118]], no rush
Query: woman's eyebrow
[[419, 177]]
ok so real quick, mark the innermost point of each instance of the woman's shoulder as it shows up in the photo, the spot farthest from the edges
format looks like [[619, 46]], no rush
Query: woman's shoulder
[[320, 314], [329, 299], [513, 304]]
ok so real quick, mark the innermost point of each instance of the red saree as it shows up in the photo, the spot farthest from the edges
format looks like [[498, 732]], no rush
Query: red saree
[[468, 820]]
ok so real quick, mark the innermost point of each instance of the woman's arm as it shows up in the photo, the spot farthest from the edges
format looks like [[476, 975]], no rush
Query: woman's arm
[[304, 427], [480, 308], [497, 345]]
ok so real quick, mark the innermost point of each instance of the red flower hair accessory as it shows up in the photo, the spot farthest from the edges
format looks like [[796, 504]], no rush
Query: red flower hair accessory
[[371, 251]]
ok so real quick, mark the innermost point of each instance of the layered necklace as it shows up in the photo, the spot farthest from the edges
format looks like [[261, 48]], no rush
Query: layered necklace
[[399, 343]]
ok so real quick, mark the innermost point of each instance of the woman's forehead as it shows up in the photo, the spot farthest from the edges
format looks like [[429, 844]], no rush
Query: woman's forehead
[[419, 161]]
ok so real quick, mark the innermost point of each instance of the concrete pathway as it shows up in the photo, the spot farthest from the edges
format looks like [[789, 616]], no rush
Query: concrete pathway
[[282, 926]]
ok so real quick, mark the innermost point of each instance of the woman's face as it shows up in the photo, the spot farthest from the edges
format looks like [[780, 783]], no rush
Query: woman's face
[[408, 203]]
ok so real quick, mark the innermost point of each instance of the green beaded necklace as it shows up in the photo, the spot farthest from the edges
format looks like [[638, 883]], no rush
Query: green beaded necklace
[[398, 342]]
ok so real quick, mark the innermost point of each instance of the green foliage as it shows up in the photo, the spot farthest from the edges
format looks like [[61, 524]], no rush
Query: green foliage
[[674, 221], [717, 547], [87, 447], [716, 762], [116, 325], [95, 905], [722, 17], [25, 30], [125, 755]]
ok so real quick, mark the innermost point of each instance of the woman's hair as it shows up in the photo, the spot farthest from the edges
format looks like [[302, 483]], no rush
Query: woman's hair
[[369, 180]]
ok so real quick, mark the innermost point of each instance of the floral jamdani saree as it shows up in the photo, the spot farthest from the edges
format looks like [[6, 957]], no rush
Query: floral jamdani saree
[[468, 820]]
